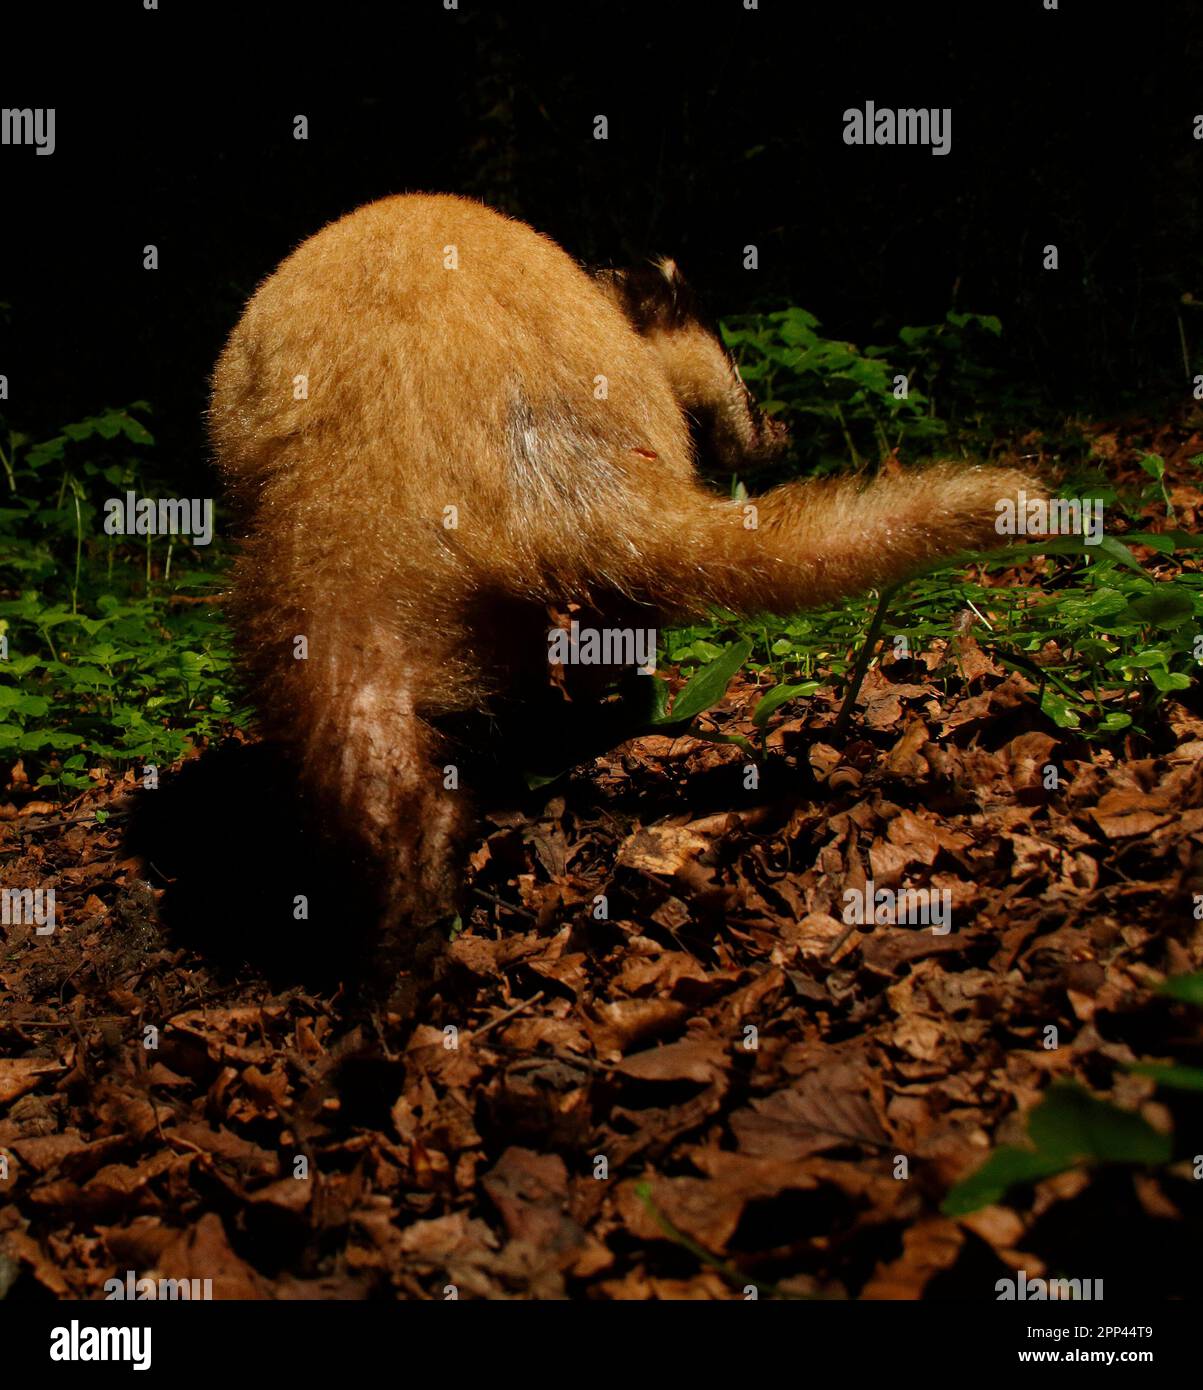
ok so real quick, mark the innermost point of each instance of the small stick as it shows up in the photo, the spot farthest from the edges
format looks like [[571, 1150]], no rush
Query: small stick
[[501, 902], [505, 1017]]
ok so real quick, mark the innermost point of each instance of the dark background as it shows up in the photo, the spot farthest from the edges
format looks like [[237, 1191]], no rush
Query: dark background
[[1072, 127]]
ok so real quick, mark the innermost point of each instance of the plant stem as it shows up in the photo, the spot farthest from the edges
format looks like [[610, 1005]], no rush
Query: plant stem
[[79, 546], [856, 458], [864, 656], [7, 461]]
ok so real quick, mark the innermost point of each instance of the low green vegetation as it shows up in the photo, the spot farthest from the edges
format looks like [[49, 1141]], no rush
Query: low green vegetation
[[1069, 1128], [111, 657], [1104, 638], [117, 652], [848, 405]]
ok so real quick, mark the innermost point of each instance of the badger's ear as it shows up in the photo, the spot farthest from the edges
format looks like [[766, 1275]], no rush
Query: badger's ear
[[653, 296], [674, 282]]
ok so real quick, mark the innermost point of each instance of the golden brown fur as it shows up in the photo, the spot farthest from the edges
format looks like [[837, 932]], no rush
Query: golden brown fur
[[476, 388]]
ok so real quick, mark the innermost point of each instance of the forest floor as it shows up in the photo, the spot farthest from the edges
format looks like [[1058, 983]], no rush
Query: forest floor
[[718, 1084]]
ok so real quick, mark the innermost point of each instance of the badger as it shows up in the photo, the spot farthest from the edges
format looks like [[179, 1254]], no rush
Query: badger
[[435, 428]]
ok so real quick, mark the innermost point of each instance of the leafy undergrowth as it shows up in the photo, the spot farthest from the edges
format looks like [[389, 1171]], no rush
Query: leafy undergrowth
[[114, 649], [658, 1061]]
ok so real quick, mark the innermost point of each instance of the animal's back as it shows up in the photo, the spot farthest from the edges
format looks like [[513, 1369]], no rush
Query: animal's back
[[426, 353]]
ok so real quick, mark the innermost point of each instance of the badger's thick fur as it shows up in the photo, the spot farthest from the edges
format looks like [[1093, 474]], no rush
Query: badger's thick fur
[[433, 425]]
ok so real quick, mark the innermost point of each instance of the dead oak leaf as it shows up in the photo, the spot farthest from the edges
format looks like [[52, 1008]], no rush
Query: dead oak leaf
[[974, 662], [530, 1192], [702, 1060], [919, 1037], [223, 1144], [69, 1154], [904, 758], [616, 1025], [816, 934], [662, 972], [21, 1246], [665, 850], [827, 1108], [1125, 812], [288, 1194], [1006, 696], [918, 837], [705, 1211], [928, 1247], [21, 1074], [203, 1252], [568, 971]]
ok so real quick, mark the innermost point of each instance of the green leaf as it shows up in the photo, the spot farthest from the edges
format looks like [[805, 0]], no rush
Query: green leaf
[[1107, 548], [738, 739], [1170, 680], [1167, 607], [1059, 710], [35, 705], [1175, 1077], [34, 739], [1067, 1127], [135, 431], [1185, 540], [708, 687], [1161, 542], [1072, 1122], [660, 691], [1106, 545], [49, 452], [1006, 1167], [1188, 988], [777, 697], [1151, 659], [535, 780], [1092, 649], [1088, 607], [705, 651]]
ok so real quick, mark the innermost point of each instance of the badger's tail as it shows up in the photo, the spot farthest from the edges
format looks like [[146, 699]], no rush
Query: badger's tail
[[806, 544]]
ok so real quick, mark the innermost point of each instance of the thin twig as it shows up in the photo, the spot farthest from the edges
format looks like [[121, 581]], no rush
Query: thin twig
[[829, 953], [501, 902], [505, 1017]]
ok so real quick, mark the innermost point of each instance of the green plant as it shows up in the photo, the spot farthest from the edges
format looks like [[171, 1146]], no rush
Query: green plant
[[1103, 639], [1174, 1075], [1068, 1127], [848, 404], [105, 663], [842, 403], [1154, 466]]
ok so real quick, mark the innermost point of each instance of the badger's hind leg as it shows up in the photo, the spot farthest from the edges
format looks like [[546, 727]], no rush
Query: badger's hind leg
[[374, 771]]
